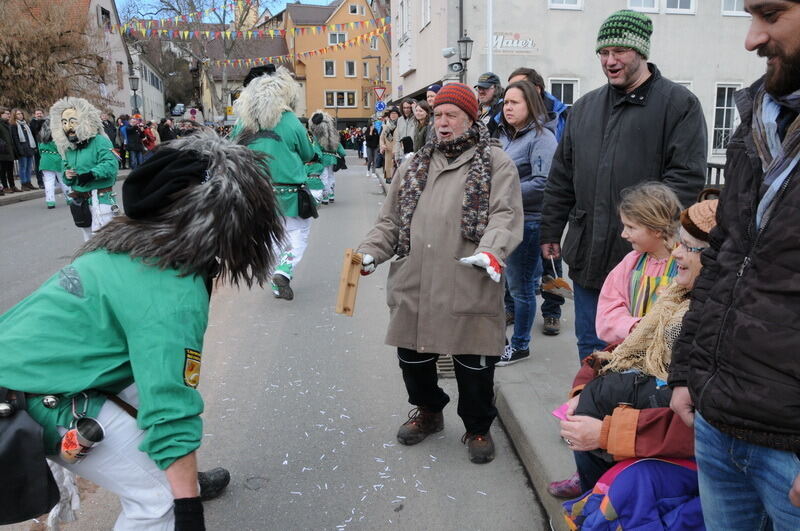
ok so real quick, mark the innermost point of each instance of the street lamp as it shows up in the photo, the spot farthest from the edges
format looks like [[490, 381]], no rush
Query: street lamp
[[134, 81], [464, 53]]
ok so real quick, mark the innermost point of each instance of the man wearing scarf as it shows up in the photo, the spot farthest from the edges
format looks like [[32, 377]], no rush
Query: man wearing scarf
[[451, 218], [734, 370]]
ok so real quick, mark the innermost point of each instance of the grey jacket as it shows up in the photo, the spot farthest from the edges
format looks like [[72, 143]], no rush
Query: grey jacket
[[532, 152], [611, 142]]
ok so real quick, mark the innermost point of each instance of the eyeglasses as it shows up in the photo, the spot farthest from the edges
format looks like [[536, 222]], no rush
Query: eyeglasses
[[691, 249], [615, 52]]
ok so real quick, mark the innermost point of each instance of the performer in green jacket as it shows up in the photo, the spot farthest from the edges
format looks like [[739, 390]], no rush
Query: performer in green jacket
[[125, 321], [52, 166], [89, 162], [267, 123], [323, 128]]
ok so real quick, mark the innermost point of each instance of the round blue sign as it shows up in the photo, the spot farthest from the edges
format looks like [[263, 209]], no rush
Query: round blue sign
[[380, 106]]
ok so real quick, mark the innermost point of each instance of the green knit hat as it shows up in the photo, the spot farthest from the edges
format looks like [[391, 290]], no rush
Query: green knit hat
[[626, 29]]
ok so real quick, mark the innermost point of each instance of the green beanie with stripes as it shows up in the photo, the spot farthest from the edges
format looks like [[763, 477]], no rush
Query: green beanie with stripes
[[626, 29]]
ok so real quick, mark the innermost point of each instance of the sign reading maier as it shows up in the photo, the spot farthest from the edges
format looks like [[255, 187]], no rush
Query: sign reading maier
[[514, 43]]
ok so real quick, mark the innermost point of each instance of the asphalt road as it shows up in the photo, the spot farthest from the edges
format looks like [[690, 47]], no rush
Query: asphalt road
[[302, 404]]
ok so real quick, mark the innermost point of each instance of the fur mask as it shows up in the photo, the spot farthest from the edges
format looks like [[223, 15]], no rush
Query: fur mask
[[89, 123], [45, 134], [227, 226], [262, 102], [323, 127]]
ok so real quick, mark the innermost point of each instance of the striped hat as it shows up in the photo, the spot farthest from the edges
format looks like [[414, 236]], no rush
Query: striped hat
[[626, 29], [459, 95]]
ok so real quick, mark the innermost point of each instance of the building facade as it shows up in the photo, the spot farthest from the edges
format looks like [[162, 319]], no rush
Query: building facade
[[116, 88], [699, 43], [150, 99], [341, 81]]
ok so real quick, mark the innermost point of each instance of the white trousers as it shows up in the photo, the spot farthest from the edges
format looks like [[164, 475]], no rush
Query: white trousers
[[328, 180], [297, 231], [51, 178], [117, 465], [101, 215]]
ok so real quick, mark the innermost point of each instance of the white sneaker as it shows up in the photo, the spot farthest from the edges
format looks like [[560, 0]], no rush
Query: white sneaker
[[368, 173]]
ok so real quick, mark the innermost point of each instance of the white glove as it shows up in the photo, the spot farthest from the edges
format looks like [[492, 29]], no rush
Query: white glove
[[367, 264], [487, 262]]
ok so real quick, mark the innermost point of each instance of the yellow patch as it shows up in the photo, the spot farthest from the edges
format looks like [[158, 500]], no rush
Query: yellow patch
[[191, 368]]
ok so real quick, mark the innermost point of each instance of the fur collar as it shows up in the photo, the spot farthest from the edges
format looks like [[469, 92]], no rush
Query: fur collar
[[89, 122], [325, 131], [262, 102]]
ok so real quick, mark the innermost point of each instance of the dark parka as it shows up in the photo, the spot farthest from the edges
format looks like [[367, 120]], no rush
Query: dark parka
[[22, 147], [739, 346], [6, 143], [613, 141]]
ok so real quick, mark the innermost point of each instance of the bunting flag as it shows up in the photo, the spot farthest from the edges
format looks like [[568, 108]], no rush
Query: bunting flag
[[198, 16], [248, 62], [164, 33]]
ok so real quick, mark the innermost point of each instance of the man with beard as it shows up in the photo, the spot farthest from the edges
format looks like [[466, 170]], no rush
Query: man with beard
[[736, 361], [639, 127], [90, 165]]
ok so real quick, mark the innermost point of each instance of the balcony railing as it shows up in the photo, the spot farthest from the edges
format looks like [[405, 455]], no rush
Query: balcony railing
[[715, 175]]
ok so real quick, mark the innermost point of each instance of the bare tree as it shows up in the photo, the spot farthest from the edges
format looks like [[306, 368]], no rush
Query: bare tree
[[49, 50]]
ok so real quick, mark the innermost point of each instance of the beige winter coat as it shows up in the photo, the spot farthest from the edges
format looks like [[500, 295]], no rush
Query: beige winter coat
[[437, 304]]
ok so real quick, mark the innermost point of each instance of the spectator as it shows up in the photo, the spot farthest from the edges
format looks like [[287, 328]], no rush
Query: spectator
[[551, 302], [423, 114], [530, 145], [373, 138], [148, 138], [36, 124], [24, 148], [490, 96], [430, 94], [154, 129], [134, 134], [736, 360], [122, 139], [406, 127], [387, 143], [165, 130], [439, 304], [6, 153], [109, 127], [659, 135]]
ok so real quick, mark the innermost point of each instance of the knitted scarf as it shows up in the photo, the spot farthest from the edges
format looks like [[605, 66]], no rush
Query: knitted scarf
[[648, 348], [475, 207]]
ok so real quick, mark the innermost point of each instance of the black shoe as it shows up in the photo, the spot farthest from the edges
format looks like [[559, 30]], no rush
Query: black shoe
[[421, 423], [479, 446], [281, 288], [513, 355], [509, 318], [552, 326], [213, 482]]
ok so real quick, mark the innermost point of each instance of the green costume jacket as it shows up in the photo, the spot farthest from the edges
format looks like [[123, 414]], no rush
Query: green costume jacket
[[314, 168], [96, 158], [289, 149], [329, 159], [101, 324], [50, 158]]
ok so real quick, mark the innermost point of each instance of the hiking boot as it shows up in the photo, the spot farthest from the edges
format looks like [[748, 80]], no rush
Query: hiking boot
[[552, 326], [509, 318], [213, 482], [26, 187], [480, 447], [512, 355], [566, 488], [421, 423], [281, 288]]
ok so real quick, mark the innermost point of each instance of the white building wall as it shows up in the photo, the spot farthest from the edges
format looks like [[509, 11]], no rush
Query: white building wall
[[704, 49], [117, 87]]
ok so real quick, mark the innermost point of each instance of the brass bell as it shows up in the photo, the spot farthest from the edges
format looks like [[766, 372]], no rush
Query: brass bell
[[50, 401], [5, 409]]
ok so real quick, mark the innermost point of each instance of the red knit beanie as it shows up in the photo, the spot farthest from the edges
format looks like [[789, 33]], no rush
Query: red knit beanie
[[459, 95]]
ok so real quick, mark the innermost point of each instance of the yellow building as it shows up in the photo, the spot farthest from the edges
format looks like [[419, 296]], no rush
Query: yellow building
[[340, 81]]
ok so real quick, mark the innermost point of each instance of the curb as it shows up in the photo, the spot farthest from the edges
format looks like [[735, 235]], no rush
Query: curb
[[19, 197]]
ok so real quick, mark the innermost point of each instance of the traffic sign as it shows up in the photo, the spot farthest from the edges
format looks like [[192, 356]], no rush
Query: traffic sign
[[379, 92], [380, 106]]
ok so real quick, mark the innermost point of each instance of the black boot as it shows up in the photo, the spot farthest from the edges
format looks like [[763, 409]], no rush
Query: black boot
[[213, 482]]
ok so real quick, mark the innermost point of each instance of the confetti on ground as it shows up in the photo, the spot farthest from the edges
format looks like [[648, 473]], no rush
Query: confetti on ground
[[300, 493], [450, 497], [481, 492]]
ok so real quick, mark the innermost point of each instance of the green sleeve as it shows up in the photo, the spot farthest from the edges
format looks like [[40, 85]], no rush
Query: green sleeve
[[106, 164], [340, 151], [304, 148], [165, 356]]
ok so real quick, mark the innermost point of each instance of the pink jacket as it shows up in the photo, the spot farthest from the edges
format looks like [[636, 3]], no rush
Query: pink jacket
[[614, 320]]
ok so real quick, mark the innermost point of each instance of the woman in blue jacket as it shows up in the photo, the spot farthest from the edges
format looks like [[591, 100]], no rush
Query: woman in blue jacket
[[530, 143]]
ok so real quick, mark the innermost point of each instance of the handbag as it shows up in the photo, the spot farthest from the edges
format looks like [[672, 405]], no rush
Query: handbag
[[306, 204], [28, 489], [81, 212], [379, 160]]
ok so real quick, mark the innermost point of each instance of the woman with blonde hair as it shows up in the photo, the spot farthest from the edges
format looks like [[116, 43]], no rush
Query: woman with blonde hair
[[24, 147]]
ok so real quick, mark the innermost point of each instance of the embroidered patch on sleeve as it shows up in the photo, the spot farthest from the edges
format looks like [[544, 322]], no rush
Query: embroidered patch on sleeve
[[191, 368], [70, 280]]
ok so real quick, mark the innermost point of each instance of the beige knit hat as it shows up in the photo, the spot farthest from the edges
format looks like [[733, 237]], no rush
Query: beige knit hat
[[701, 217]]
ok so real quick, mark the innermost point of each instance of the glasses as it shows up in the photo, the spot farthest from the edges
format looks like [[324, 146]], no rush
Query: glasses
[[691, 249], [616, 52]]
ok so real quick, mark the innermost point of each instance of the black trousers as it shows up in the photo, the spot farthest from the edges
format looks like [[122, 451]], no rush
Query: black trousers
[[475, 378], [7, 173], [39, 174]]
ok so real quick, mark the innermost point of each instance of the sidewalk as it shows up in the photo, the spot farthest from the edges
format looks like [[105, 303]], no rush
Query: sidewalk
[[19, 197]]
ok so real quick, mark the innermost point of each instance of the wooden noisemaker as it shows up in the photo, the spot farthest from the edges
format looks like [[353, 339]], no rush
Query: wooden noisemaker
[[348, 283]]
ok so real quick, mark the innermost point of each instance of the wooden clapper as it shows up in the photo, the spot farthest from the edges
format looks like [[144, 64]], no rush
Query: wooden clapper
[[348, 283]]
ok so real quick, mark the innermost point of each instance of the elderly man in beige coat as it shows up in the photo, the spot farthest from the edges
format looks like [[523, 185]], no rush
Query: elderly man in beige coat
[[451, 217]]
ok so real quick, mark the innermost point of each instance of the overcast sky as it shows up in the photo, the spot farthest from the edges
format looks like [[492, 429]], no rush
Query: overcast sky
[[273, 5]]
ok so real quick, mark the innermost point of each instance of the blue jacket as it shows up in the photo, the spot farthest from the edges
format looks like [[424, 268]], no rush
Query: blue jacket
[[560, 109], [532, 152]]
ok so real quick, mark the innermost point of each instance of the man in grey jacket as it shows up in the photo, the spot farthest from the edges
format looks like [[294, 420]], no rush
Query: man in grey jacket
[[639, 127]]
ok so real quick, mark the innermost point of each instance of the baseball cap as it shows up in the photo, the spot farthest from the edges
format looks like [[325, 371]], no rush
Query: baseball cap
[[489, 79]]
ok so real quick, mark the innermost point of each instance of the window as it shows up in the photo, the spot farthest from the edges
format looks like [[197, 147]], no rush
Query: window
[[350, 69], [426, 12], [405, 20], [649, 6], [685, 7], [336, 38], [373, 43], [565, 89], [119, 75], [365, 68], [365, 98], [565, 4], [356, 9], [734, 8], [104, 19], [725, 117], [388, 74], [330, 68], [340, 98]]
